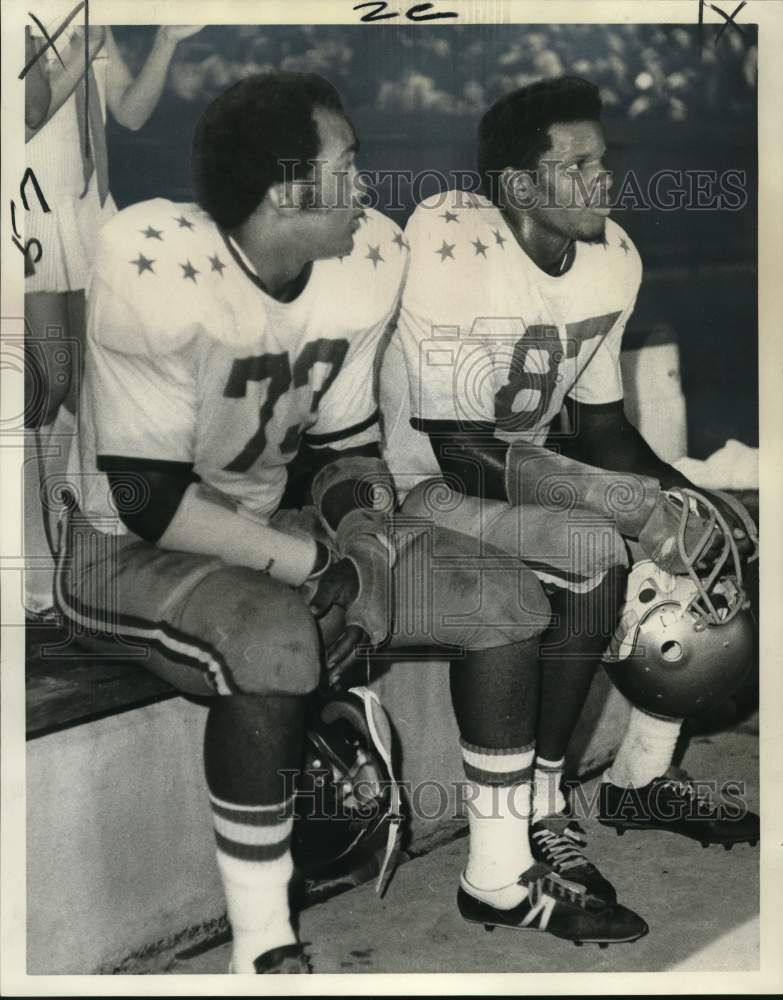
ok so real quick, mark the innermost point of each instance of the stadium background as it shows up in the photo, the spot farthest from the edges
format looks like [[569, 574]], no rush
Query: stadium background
[[674, 100]]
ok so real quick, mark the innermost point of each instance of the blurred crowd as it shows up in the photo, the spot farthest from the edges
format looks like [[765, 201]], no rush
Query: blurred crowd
[[650, 71]]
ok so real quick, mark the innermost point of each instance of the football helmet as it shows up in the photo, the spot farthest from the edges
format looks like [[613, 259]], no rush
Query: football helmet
[[347, 807], [684, 642]]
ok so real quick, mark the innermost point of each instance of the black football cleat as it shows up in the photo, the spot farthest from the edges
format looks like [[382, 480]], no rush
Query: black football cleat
[[678, 806], [556, 907], [289, 959], [557, 842]]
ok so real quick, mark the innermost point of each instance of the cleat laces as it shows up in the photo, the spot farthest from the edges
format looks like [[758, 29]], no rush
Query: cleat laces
[[563, 849], [687, 790]]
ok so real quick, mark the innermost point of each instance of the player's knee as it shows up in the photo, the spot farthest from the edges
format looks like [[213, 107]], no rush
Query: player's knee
[[275, 645], [597, 548], [427, 498], [513, 607]]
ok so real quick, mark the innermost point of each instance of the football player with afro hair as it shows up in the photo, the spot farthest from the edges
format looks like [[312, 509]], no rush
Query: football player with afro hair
[[504, 379], [231, 352]]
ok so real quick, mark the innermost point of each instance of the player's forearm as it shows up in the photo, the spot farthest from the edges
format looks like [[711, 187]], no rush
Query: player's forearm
[[207, 528], [475, 465], [606, 439], [63, 79], [139, 99]]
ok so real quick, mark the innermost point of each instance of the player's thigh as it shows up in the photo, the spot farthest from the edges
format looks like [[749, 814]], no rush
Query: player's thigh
[[204, 626], [447, 594], [48, 355], [563, 545]]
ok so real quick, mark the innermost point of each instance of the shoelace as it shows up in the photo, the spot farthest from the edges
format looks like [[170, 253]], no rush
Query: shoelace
[[563, 848], [545, 885], [686, 789]]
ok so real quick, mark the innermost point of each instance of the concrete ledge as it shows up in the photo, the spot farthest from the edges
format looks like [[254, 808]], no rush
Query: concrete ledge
[[119, 832]]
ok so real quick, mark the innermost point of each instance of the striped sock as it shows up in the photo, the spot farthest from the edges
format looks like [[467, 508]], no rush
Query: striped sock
[[498, 820], [254, 858], [547, 797], [646, 750]]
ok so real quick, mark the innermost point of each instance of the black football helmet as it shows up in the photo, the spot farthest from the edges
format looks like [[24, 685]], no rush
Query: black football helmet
[[347, 807]]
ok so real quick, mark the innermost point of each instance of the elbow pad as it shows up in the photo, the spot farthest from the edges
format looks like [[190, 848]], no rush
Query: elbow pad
[[147, 494]]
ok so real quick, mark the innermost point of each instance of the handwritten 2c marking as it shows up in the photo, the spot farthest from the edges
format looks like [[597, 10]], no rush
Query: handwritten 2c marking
[[418, 12]]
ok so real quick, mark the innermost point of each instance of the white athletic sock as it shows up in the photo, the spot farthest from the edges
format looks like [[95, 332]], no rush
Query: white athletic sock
[[254, 858], [646, 750], [547, 796], [498, 821]]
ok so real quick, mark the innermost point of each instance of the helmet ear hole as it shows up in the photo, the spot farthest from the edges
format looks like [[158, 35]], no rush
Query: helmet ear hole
[[671, 651], [647, 594]]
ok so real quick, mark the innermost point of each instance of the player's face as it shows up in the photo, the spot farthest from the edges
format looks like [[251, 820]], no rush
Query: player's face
[[573, 183], [329, 223]]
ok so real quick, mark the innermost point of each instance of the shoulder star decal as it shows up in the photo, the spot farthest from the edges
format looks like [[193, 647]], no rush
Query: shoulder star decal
[[143, 263], [499, 238], [374, 255], [445, 251], [189, 271], [604, 242], [449, 216], [481, 248], [183, 222], [152, 234], [624, 246], [398, 239], [217, 264]]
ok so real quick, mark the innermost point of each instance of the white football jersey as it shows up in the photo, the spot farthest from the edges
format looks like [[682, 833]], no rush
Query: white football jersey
[[190, 360], [486, 337]]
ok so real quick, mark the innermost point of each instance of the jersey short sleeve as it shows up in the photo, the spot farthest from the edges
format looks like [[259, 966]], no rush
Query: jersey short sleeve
[[141, 365]]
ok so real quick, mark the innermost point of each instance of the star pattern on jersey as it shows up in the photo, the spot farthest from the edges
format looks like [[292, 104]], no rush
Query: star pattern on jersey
[[624, 246], [151, 233], [374, 254], [143, 264], [480, 248], [446, 251], [449, 216], [604, 242], [188, 271], [182, 222], [217, 264], [400, 241], [499, 238]]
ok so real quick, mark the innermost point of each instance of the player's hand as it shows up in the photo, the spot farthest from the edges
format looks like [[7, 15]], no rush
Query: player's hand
[[340, 655], [179, 32], [339, 586], [738, 526]]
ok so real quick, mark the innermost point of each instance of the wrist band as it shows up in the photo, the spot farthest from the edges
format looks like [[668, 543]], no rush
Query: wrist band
[[323, 560]]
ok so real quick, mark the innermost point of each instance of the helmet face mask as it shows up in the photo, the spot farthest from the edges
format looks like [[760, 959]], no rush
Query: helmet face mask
[[684, 642], [346, 792]]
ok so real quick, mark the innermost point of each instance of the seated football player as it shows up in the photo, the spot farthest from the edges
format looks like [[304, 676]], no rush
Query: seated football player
[[230, 342], [514, 307]]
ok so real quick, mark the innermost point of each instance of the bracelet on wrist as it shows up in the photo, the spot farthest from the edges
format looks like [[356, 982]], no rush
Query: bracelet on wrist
[[323, 560]]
